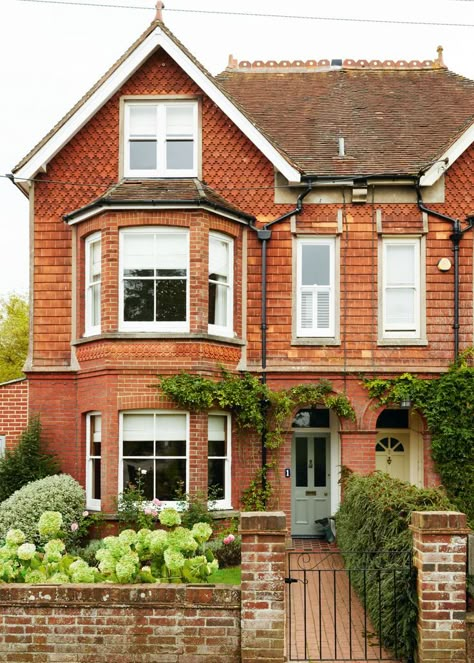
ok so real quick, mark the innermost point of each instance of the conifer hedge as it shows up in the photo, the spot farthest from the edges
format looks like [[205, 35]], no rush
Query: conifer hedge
[[373, 534]]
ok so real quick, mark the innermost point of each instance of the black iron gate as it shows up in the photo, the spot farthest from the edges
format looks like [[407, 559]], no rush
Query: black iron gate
[[347, 608]]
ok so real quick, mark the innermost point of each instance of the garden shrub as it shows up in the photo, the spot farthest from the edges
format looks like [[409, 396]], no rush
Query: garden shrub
[[59, 493], [227, 551], [374, 516], [26, 462]]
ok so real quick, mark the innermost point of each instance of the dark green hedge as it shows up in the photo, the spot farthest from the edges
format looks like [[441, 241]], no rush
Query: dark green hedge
[[373, 534]]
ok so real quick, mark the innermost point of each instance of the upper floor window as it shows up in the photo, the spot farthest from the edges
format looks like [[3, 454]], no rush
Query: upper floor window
[[93, 279], [316, 287], [221, 265], [161, 138], [154, 289], [401, 288]]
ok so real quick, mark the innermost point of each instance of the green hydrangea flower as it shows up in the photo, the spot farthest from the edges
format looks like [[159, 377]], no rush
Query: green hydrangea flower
[[117, 547], [107, 561], [126, 569], [80, 571], [15, 537], [50, 524], [59, 578], [53, 550], [158, 541], [26, 551], [201, 532], [169, 517], [174, 560], [36, 576], [182, 539], [8, 571], [128, 536]]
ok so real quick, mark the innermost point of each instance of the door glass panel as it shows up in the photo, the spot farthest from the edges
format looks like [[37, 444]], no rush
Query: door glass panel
[[301, 460], [319, 461]]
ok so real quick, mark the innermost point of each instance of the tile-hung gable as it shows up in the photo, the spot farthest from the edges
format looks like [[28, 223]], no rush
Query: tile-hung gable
[[395, 118]]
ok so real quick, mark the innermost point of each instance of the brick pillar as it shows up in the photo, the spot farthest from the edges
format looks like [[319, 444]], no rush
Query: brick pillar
[[440, 547], [263, 587]]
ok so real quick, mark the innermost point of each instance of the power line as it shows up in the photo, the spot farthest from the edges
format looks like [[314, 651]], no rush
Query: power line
[[376, 21]]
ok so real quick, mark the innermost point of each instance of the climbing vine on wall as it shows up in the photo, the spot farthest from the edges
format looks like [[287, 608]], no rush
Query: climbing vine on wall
[[447, 403], [256, 407], [253, 403]]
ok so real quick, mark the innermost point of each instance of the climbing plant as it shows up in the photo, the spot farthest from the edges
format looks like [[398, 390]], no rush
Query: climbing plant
[[447, 403], [256, 407]]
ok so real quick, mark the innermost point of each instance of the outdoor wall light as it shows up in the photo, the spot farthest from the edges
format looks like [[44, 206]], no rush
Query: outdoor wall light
[[405, 404], [444, 265]]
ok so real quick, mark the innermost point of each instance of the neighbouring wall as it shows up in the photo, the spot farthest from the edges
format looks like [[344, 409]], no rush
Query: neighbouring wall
[[13, 410]]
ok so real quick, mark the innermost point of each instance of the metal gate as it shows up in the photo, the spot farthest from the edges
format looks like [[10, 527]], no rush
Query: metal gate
[[346, 608]]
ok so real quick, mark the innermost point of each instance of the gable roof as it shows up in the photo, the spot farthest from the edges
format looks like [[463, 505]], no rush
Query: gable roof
[[395, 118], [156, 36], [155, 193]]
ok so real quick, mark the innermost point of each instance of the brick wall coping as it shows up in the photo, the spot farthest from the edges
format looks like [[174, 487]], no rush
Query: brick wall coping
[[106, 595], [8, 382], [271, 523], [439, 522]]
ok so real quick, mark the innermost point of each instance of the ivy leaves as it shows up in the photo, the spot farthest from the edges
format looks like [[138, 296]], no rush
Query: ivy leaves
[[447, 403]]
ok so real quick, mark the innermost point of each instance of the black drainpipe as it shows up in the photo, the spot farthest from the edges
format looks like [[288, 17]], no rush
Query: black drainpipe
[[264, 235], [455, 238]]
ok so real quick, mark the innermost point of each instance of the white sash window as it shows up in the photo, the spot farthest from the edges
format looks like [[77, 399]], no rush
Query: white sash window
[[316, 287], [401, 288]]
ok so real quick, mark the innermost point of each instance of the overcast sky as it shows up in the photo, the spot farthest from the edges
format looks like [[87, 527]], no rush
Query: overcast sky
[[52, 53]]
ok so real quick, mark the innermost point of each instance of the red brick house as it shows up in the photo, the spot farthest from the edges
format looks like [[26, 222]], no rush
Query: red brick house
[[168, 205]]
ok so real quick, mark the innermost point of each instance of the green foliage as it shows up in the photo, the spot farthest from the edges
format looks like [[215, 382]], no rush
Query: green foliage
[[195, 507], [134, 509], [227, 550], [14, 332], [26, 462], [447, 403], [375, 516], [59, 493], [256, 496]]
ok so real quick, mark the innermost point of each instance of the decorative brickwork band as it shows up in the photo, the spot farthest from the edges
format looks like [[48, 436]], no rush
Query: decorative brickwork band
[[263, 595], [440, 550]]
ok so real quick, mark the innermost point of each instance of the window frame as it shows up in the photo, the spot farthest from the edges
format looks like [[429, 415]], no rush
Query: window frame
[[316, 333], [226, 502], [161, 138], [224, 330], [92, 503], [89, 285], [155, 413], [392, 335], [181, 326]]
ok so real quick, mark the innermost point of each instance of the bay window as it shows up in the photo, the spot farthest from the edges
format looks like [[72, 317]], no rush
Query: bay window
[[155, 453], [221, 265], [93, 460], [219, 459], [154, 289]]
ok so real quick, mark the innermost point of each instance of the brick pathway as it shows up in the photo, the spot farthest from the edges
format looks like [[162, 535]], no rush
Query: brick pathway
[[330, 634]]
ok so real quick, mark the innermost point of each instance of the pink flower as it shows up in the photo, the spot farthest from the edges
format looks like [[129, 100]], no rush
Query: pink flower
[[148, 511], [156, 501], [85, 514], [228, 539], [74, 527]]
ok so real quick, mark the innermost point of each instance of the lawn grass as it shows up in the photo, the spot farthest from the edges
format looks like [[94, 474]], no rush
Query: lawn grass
[[229, 576]]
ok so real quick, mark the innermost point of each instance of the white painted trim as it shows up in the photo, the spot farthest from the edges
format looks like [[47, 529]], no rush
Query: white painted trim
[[228, 330], [90, 502], [155, 39], [87, 214], [447, 159]]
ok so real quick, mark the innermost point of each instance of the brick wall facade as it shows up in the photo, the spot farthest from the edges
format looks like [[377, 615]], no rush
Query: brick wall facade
[[13, 410]]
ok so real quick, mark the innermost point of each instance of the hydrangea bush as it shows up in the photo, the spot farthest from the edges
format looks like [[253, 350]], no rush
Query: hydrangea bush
[[23, 509], [174, 555]]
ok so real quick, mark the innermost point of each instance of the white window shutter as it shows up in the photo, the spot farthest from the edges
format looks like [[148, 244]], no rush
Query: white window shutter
[[307, 310], [324, 312]]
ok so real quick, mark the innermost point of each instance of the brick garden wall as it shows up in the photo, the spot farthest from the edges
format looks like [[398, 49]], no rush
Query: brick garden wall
[[470, 636], [13, 410]]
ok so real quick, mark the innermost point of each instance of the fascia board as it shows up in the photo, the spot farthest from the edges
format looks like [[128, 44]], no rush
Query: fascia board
[[87, 214], [447, 159], [83, 114]]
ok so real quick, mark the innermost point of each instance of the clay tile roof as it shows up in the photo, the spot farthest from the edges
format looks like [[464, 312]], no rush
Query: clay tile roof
[[395, 117], [156, 193]]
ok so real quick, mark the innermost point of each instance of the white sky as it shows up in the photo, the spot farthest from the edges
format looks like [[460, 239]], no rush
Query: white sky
[[51, 54]]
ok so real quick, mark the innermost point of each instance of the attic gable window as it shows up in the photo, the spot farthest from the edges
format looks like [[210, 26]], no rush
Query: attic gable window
[[160, 139]]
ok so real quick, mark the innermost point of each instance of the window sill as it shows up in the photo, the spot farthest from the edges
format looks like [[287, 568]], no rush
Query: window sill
[[387, 342], [315, 340], [143, 336]]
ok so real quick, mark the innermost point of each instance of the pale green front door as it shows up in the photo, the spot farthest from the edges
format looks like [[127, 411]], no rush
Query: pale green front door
[[310, 485]]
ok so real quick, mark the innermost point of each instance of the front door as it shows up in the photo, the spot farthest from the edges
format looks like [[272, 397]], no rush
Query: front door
[[392, 454], [310, 483]]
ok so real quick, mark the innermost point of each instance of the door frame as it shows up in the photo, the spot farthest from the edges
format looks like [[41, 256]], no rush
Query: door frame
[[334, 464]]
